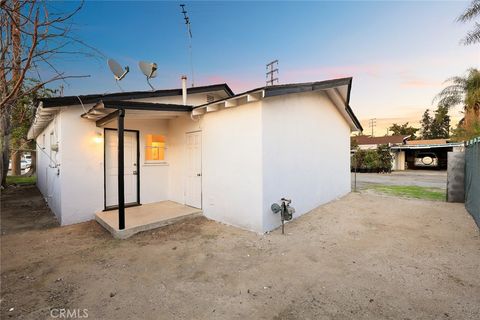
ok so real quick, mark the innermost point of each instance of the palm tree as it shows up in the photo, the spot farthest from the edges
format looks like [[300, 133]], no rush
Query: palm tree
[[464, 91], [470, 13]]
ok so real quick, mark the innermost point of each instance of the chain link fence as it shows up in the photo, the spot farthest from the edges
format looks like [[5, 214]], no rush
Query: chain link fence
[[472, 178]]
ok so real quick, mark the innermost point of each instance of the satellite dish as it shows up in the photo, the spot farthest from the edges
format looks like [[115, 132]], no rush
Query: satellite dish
[[149, 69], [117, 69]]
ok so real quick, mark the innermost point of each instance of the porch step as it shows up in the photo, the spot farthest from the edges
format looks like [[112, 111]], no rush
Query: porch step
[[146, 217]]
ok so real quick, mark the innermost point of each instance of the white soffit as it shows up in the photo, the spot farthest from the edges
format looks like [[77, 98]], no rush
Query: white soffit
[[230, 102], [339, 100], [43, 117]]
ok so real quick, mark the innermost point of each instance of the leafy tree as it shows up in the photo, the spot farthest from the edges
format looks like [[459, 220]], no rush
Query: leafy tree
[[464, 91], [441, 123], [469, 14], [403, 129], [23, 115], [33, 35], [438, 126], [426, 124]]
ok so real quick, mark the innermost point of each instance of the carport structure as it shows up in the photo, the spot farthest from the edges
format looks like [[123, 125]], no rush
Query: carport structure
[[416, 149]]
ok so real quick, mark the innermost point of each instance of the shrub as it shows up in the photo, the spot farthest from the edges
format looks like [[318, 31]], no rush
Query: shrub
[[377, 160]]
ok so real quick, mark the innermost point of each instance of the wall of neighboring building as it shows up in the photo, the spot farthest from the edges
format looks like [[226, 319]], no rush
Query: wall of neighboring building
[[48, 171], [306, 153], [398, 159], [368, 146]]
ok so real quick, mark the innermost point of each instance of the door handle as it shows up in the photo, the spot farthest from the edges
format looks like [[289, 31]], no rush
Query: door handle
[[199, 174]]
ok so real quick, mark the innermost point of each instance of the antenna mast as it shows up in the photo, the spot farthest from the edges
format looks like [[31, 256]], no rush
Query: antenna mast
[[189, 34], [272, 68]]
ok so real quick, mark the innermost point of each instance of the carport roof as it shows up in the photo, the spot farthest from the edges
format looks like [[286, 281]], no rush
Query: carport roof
[[427, 146]]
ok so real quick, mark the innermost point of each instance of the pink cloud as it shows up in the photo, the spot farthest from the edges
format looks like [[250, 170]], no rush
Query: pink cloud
[[421, 83]]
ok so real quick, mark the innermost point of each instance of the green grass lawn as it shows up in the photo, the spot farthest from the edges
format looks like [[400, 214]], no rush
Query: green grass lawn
[[416, 192], [21, 180]]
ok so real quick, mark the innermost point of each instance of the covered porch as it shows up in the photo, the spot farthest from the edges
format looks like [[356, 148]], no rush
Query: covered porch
[[145, 217], [136, 186]]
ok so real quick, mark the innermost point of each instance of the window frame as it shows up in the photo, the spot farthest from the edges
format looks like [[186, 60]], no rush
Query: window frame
[[163, 162]]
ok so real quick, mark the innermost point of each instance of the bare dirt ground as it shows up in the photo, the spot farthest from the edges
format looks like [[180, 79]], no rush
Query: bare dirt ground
[[361, 257]]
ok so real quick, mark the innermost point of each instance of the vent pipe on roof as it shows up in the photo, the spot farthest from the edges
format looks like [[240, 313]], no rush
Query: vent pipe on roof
[[184, 90]]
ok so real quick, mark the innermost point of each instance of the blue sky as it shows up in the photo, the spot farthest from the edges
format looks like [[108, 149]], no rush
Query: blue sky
[[399, 53]]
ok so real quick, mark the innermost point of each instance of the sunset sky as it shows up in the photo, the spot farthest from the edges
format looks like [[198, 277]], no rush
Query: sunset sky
[[398, 53]]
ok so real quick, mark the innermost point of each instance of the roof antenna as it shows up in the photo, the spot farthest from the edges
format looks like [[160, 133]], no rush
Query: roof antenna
[[149, 69], [117, 71], [189, 34]]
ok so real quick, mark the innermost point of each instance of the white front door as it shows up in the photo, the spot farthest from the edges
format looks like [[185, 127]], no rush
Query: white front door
[[193, 194], [111, 167]]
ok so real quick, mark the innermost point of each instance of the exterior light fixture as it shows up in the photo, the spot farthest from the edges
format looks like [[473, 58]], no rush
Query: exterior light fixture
[[98, 137]]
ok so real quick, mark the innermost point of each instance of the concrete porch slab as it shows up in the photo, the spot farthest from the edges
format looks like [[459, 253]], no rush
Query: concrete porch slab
[[145, 217]]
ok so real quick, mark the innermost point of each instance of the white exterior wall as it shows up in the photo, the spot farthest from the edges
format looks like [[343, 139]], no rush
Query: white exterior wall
[[76, 193], [154, 177], [398, 159], [232, 166], [306, 153], [81, 169], [368, 146], [295, 146], [48, 179]]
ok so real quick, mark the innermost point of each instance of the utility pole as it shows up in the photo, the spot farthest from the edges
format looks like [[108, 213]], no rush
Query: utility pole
[[272, 69], [372, 123]]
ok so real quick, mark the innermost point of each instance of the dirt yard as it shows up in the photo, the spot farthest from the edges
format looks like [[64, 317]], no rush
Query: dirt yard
[[361, 257]]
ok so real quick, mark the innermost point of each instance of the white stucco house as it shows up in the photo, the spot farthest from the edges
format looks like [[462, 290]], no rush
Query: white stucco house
[[230, 155]]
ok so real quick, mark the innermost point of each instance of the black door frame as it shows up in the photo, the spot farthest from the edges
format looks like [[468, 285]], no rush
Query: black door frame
[[132, 204]]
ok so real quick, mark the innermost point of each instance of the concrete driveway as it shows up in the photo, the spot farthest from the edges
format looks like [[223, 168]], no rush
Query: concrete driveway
[[421, 178]]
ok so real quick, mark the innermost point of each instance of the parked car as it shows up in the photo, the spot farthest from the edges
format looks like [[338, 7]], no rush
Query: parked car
[[426, 160], [24, 164]]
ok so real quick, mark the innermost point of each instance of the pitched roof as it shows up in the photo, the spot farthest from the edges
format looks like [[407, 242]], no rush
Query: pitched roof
[[277, 90], [93, 98], [395, 139]]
